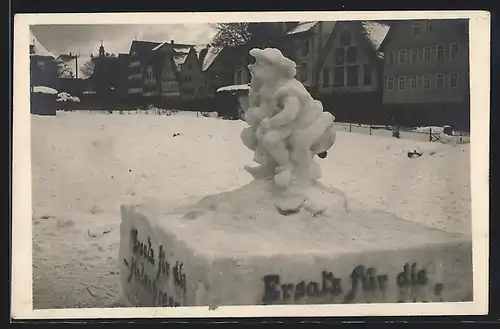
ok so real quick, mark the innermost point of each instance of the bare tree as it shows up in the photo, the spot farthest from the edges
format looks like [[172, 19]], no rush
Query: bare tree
[[64, 70], [261, 34], [231, 34], [88, 67]]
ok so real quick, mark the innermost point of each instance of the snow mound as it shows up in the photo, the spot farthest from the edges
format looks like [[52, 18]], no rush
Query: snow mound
[[44, 90], [301, 246], [234, 87], [65, 97]]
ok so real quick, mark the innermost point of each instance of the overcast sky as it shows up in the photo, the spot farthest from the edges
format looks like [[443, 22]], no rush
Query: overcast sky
[[86, 39]]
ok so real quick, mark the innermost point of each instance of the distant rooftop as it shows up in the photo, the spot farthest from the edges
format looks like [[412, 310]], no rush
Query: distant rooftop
[[302, 27]]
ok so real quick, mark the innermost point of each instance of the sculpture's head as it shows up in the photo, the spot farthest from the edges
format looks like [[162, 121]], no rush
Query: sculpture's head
[[270, 64]]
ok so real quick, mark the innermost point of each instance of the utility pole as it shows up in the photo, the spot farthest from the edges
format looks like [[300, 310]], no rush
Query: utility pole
[[76, 64]]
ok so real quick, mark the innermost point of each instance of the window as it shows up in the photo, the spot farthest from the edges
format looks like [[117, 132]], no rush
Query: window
[[427, 53], [303, 72], [390, 58], [454, 50], [403, 55], [390, 83], [454, 80], [352, 55], [440, 80], [339, 56], [413, 82], [414, 55], [429, 27], [439, 53], [426, 81], [352, 75], [345, 39], [401, 83], [367, 75], [305, 49], [416, 29], [326, 77], [200, 90], [338, 76], [40, 64], [149, 74]]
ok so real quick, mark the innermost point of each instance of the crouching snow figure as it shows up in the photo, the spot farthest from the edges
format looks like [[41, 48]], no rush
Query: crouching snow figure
[[287, 127]]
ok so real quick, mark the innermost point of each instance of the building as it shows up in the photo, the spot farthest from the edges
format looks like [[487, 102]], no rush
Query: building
[[242, 59], [43, 65], [122, 76], [426, 73], [304, 43], [349, 71], [217, 67], [139, 57], [192, 77], [105, 78]]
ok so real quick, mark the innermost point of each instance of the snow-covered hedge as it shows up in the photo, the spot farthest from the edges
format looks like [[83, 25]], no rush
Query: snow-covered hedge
[[44, 90]]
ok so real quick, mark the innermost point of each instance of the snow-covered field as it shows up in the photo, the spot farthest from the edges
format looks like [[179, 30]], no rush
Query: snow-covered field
[[85, 166]]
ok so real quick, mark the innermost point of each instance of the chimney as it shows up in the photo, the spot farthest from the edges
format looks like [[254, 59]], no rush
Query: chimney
[[171, 42]]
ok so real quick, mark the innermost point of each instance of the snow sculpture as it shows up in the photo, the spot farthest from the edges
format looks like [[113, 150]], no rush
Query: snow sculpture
[[237, 248], [287, 127]]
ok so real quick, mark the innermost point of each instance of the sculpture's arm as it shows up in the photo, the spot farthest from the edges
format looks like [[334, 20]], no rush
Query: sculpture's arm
[[291, 107]]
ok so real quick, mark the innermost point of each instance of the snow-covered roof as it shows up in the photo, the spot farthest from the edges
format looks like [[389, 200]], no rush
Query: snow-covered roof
[[40, 50], [302, 27], [210, 57], [375, 32], [199, 48], [160, 45], [234, 87], [180, 57], [44, 90]]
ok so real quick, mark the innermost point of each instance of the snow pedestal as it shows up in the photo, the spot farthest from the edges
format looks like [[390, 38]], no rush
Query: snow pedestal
[[234, 248]]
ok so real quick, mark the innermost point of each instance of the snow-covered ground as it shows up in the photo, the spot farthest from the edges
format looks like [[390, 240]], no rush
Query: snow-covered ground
[[85, 166]]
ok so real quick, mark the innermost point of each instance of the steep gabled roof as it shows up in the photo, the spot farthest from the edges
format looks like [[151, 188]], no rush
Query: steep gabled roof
[[198, 49], [180, 54], [212, 54], [370, 35], [302, 27], [375, 33], [40, 50], [143, 48]]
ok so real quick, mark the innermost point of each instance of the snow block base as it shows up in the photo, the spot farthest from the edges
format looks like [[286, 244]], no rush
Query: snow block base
[[235, 249]]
